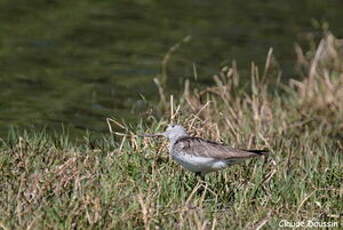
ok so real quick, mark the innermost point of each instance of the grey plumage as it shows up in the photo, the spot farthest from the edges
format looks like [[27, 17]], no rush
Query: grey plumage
[[202, 156], [200, 147]]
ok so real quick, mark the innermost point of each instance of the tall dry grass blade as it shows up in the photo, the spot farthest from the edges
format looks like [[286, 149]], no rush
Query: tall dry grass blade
[[195, 72], [268, 63], [171, 109], [166, 58], [144, 210], [315, 61], [163, 99], [110, 120]]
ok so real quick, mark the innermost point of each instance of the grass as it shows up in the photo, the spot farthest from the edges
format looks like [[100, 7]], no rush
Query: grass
[[124, 181]]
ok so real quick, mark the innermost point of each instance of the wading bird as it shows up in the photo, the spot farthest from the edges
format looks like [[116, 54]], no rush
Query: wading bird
[[202, 156]]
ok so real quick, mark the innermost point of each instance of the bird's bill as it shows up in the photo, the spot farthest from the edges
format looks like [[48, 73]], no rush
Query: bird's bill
[[152, 135]]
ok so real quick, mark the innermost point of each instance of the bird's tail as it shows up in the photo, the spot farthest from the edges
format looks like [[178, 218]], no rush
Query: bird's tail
[[259, 152]]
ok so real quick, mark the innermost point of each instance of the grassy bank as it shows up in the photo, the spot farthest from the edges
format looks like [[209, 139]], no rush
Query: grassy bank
[[126, 182]]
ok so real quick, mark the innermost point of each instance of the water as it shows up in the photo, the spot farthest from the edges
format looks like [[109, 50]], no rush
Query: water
[[78, 62]]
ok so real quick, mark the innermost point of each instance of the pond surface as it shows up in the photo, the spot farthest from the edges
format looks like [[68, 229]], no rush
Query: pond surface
[[77, 62]]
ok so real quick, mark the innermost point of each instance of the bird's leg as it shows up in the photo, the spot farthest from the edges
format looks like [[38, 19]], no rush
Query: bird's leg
[[201, 181], [200, 176]]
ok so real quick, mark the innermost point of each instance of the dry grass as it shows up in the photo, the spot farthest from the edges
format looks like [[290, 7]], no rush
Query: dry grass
[[128, 182]]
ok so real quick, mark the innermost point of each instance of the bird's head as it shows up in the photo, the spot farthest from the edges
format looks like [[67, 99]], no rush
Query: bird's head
[[173, 132]]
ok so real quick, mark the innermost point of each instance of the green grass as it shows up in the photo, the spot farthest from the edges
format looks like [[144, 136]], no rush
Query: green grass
[[129, 182]]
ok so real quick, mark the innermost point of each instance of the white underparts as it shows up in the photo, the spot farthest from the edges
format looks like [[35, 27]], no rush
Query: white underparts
[[200, 164]]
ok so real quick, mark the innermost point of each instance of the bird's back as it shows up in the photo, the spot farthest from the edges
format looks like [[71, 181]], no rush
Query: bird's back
[[203, 148]]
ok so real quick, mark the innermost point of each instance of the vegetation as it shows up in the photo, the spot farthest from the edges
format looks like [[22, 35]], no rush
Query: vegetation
[[127, 182]]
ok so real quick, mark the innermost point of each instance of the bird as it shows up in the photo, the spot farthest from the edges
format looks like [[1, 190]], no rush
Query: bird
[[202, 156]]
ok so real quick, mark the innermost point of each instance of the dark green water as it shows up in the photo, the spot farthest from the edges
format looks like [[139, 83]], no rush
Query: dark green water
[[78, 62]]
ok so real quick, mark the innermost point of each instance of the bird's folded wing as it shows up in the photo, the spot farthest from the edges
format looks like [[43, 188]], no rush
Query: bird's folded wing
[[200, 147]]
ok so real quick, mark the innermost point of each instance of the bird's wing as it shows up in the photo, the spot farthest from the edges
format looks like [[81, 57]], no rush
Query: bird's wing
[[204, 148]]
